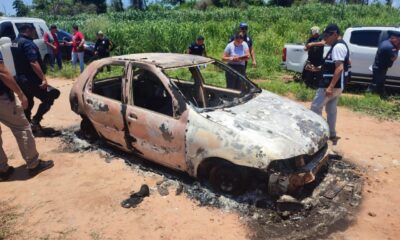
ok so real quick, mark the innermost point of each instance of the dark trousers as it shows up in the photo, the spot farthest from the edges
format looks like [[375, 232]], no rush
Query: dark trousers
[[232, 81], [378, 80], [56, 57], [46, 96]]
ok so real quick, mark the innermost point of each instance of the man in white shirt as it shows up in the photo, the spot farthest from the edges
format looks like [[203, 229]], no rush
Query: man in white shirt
[[336, 71], [236, 54]]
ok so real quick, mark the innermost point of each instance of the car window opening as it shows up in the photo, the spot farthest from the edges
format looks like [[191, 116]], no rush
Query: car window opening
[[150, 93], [108, 81], [206, 86]]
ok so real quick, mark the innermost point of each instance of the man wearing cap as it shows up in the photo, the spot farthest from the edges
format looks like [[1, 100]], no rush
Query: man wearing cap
[[315, 48], [198, 47], [236, 54], [30, 77], [102, 47], [336, 70], [243, 28], [385, 56], [54, 46], [12, 116]]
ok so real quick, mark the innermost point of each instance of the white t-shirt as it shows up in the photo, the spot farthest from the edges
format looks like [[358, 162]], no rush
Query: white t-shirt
[[236, 51], [339, 52]]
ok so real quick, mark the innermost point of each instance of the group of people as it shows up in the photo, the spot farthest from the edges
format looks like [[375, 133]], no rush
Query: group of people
[[330, 73]]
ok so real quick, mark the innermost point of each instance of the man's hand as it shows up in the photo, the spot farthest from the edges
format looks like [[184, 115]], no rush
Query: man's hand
[[24, 101], [254, 64], [329, 91], [44, 84]]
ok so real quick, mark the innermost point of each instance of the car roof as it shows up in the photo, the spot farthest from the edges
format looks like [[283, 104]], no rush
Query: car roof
[[21, 19], [166, 60]]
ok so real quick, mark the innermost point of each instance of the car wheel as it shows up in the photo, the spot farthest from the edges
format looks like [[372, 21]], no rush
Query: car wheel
[[88, 131], [228, 179]]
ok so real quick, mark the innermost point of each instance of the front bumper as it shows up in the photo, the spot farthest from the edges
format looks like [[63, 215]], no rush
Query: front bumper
[[287, 183]]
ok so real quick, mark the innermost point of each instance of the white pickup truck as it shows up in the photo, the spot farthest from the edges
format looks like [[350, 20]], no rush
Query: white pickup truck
[[362, 42]]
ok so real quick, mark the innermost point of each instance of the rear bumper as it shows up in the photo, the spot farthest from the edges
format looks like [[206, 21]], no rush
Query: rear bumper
[[288, 183]]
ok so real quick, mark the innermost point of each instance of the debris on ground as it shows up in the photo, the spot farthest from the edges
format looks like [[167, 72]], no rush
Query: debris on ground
[[323, 207], [136, 197]]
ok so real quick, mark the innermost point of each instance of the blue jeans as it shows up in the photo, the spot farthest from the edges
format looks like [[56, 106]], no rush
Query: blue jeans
[[75, 56]]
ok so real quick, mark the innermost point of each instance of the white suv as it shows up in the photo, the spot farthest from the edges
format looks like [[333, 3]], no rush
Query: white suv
[[9, 31]]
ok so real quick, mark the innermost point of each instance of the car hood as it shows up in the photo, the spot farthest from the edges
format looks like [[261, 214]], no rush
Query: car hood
[[281, 127]]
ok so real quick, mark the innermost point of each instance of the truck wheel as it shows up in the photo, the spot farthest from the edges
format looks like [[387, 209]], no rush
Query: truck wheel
[[227, 178], [88, 131]]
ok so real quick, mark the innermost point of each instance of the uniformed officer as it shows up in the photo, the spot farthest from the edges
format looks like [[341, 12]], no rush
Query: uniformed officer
[[102, 47], [198, 47], [30, 77], [243, 28], [12, 116], [336, 70], [386, 54]]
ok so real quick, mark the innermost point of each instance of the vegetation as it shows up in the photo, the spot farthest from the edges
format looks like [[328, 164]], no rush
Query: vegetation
[[163, 30]]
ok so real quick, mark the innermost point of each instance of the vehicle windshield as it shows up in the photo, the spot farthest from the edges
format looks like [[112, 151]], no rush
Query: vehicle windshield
[[212, 85]]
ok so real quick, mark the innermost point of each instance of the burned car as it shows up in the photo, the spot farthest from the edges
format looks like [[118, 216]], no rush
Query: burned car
[[176, 110]]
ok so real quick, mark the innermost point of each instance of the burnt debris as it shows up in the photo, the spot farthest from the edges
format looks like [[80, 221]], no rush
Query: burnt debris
[[136, 198]]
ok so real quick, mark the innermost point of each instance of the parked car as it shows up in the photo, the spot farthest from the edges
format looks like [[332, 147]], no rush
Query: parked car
[[67, 49], [9, 31], [175, 110], [363, 43]]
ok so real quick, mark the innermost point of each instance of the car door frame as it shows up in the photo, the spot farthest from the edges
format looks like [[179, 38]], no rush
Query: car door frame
[[156, 136], [104, 113]]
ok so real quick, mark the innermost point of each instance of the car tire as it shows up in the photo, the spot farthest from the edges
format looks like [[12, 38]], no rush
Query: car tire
[[228, 179], [88, 131]]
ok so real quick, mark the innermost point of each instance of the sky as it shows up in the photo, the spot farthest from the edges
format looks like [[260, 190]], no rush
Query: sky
[[6, 5]]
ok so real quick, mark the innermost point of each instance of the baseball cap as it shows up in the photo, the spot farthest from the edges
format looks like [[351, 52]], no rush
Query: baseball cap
[[394, 33], [200, 38], [100, 33], [243, 25], [314, 30], [332, 28]]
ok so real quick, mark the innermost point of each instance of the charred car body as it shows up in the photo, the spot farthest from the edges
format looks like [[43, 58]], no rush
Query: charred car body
[[176, 110]]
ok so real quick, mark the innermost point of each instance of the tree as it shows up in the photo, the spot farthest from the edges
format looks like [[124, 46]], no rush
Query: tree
[[282, 3], [20, 8], [173, 2], [101, 5], [138, 4], [117, 5], [389, 2]]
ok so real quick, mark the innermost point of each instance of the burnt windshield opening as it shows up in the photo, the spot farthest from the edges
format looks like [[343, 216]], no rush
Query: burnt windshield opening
[[212, 85]]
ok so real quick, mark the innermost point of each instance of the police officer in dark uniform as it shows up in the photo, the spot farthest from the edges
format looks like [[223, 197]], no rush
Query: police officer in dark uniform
[[386, 54], [198, 47], [336, 71], [30, 76], [102, 47], [243, 28]]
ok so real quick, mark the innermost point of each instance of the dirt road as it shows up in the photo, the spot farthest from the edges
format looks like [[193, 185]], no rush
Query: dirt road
[[80, 197]]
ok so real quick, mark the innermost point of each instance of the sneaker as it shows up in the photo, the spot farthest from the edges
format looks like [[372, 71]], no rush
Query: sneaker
[[4, 176], [42, 166]]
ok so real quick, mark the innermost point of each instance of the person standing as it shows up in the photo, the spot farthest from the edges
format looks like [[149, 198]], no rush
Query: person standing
[[236, 54], [54, 47], [102, 47], [386, 55], [12, 116], [243, 28], [30, 77], [78, 49], [336, 70], [315, 48], [198, 47]]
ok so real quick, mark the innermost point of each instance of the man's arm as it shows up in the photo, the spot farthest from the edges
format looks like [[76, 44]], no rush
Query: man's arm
[[82, 42], [253, 57], [38, 70], [9, 81], [315, 44], [339, 68]]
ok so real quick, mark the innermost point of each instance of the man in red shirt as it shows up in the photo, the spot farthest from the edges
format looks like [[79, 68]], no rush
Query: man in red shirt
[[78, 41], [54, 46]]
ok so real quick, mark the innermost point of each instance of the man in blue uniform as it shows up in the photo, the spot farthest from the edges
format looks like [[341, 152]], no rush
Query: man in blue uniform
[[335, 70], [385, 56], [198, 47], [30, 77], [12, 116]]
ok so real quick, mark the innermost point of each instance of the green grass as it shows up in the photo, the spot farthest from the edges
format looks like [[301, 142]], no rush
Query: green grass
[[68, 71], [362, 102]]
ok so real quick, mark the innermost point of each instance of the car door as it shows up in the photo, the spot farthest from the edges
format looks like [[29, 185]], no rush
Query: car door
[[103, 107], [156, 129]]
